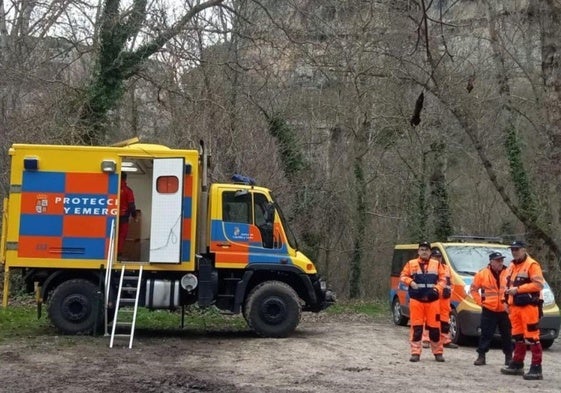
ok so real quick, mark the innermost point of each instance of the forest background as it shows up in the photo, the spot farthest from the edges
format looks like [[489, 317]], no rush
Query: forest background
[[374, 122]]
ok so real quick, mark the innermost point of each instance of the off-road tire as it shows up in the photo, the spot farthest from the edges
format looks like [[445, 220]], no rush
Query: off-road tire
[[273, 309], [75, 307]]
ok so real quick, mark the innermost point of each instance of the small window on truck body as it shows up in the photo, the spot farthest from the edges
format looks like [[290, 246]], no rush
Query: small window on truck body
[[167, 184]]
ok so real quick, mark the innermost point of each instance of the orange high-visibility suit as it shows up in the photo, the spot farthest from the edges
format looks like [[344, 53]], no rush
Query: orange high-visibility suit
[[493, 292], [492, 285], [424, 304], [525, 308], [445, 309]]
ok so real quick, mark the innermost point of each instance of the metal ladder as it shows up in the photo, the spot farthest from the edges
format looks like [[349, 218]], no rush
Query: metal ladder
[[108, 272], [126, 300]]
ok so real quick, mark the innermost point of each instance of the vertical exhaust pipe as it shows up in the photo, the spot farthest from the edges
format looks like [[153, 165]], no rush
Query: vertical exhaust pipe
[[202, 211]]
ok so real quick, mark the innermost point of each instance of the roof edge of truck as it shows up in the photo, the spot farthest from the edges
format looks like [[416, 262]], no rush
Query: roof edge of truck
[[146, 147]]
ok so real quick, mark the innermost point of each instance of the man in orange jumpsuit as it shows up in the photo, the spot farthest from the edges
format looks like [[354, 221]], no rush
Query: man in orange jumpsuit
[[524, 284], [488, 290], [425, 278], [445, 307], [127, 209]]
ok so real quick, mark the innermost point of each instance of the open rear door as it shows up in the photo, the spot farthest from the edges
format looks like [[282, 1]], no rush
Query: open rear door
[[167, 200]]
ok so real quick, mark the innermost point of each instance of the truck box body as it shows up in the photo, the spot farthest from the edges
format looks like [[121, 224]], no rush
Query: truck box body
[[63, 211]]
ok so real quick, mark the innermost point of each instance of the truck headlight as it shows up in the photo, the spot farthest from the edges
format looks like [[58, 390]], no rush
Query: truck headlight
[[548, 296]]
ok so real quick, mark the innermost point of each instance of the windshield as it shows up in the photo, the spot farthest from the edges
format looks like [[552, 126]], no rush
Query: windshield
[[471, 259], [289, 234]]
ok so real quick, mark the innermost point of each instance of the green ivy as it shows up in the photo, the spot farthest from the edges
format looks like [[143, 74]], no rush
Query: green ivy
[[523, 188], [291, 155]]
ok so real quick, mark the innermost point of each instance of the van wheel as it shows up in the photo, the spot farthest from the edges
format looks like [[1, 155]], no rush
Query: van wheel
[[76, 307], [273, 309], [398, 318], [546, 343], [455, 329]]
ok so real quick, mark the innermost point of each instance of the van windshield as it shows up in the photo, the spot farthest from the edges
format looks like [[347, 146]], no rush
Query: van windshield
[[470, 259]]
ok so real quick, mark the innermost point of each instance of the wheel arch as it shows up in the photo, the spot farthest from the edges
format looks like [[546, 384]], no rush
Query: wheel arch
[[403, 318], [57, 277], [256, 274]]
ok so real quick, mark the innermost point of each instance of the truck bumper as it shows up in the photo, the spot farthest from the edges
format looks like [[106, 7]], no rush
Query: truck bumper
[[324, 296]]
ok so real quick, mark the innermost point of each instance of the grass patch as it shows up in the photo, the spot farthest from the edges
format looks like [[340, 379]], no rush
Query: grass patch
[[195, 318], [19, 320]]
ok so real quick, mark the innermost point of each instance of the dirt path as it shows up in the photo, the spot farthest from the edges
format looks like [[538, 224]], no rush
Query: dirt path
[[327, 354]]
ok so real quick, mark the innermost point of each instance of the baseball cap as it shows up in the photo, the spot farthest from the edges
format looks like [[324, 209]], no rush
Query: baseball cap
[[424, 244], [518, 244], [496, 255], [436, 252]]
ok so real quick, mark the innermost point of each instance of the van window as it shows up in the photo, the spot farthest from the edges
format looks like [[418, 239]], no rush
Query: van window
[[471, 259], [400, 258]]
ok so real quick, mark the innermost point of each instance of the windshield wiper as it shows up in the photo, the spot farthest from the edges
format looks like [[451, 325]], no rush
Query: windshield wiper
[[466, 272]]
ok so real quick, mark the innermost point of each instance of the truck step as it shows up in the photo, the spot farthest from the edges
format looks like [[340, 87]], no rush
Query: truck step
[[127, 301]]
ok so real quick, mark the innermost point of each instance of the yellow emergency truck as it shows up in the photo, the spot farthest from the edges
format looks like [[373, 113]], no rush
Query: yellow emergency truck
[[222, 244]]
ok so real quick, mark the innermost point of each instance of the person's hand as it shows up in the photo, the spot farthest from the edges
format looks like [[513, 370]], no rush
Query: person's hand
[[413, 285], [512, 291]]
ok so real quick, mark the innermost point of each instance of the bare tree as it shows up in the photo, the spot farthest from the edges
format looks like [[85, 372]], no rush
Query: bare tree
[[116, 61]]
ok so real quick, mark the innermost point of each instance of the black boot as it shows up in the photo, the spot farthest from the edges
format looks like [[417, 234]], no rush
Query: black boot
[[508, 359], [513, 368], [480, 361], [535, 372]]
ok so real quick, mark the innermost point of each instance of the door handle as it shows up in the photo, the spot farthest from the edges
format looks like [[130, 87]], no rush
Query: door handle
[[225, 245]]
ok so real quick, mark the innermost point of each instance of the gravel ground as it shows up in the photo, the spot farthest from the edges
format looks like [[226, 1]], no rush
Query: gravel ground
[[326, 354]]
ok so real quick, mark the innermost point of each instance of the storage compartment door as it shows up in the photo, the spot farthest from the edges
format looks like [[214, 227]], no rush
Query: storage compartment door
[[167, 201]]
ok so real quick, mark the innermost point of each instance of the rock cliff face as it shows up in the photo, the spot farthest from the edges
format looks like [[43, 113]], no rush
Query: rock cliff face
[[303, 39]]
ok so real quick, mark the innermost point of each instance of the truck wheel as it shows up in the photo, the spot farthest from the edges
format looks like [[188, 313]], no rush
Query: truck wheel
[[76, 308], [273, 309], [397, 317]]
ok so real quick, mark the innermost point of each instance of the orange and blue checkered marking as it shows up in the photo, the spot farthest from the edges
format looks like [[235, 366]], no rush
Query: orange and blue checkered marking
[[67, 215], [186, 218]]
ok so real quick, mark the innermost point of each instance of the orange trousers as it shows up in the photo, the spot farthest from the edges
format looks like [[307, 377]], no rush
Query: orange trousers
[[445, 309], [421, 314], [524, 321]]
